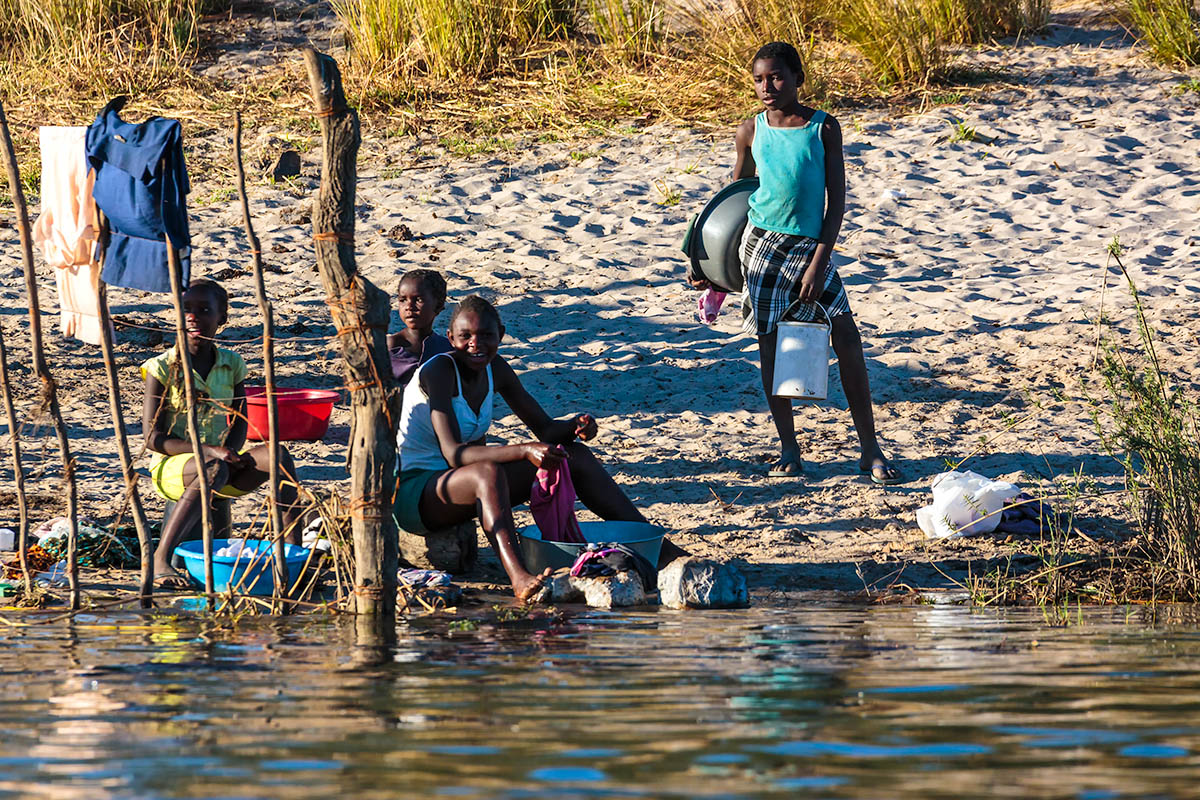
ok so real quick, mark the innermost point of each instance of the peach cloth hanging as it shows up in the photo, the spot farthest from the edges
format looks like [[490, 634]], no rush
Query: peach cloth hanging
[[67, 228]]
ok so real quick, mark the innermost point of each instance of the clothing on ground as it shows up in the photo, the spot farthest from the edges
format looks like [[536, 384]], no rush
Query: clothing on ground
[[141, 186], [602, 560], [214, 394], [773, 265], [552, 503], [405, 363], [790, 197], [67, 228], [416, 441]]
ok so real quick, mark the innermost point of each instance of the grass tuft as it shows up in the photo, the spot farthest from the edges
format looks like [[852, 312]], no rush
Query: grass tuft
[[1170, 30], [1151, 425]]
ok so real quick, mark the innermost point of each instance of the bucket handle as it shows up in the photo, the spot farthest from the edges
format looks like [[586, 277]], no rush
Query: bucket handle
[[825, 311]]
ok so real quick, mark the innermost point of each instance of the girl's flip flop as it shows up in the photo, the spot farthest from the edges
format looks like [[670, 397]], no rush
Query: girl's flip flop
[[883, 474], [781, 471]]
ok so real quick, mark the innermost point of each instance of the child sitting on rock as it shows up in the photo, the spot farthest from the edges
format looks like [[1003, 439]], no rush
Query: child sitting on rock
[[448, 475]]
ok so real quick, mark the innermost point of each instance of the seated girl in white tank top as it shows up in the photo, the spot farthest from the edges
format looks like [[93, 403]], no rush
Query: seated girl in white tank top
[[446, 469]]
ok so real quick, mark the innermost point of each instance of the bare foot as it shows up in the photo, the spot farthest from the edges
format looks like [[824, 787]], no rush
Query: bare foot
[[530, 585]]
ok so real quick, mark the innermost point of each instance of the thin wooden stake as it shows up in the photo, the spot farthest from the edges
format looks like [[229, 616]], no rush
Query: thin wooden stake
[[14, 441], [193, 421], [360, 311], [49, 387], [118, 418], [268, 345]]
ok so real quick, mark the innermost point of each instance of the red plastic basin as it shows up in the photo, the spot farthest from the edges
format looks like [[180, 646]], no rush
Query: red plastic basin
[[303, 413]]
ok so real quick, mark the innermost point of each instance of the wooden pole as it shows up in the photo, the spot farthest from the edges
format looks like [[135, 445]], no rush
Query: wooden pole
[[14, 442], [360, 310], [49, 397], [193, 421], [118, 419], [268, 345]]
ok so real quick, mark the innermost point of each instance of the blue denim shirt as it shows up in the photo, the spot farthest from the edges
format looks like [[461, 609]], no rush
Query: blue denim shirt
[[141, 186]]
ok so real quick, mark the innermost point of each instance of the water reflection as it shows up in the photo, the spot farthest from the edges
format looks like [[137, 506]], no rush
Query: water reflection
[[928, 701]]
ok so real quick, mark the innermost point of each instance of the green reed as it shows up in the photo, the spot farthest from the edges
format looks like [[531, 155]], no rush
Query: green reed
[[1170, 30], [1150, 423]]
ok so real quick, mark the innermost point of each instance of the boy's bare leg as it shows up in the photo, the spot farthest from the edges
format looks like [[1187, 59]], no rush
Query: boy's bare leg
[[482, 489], [251, 477], [781, 409], [185, 515], [852, 365]]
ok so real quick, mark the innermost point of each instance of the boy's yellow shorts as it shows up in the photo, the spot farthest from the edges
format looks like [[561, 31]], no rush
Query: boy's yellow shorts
[[167, 477]]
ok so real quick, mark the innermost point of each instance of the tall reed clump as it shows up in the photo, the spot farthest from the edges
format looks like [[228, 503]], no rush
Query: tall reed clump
[[449, 38], [900, 39], [971, 21], [1152, 426], [1170, 29], [727, 34], [99, 47], [632, 29]]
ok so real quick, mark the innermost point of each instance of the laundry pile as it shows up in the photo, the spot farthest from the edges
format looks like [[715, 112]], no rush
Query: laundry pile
[[967, 503]]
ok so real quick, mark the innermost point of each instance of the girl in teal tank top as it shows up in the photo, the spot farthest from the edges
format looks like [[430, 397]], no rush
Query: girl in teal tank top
[[794, 220]]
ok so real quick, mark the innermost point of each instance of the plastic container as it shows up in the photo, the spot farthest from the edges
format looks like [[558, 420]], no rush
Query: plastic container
[[802, 360], [640, 537], [238, 572], [303, 413], [715, 236]]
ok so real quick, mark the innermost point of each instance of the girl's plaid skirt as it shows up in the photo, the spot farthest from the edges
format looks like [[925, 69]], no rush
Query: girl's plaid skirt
[[773, 264]]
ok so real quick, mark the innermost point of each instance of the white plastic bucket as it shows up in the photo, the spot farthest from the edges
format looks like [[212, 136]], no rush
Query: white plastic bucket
[[802, 360]]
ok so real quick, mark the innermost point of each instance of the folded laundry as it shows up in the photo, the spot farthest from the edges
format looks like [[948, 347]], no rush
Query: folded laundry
[[141, 185]]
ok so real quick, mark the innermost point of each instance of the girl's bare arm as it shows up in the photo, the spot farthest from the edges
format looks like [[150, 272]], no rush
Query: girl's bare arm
[[158, 434], [439, 386], [744, 166]]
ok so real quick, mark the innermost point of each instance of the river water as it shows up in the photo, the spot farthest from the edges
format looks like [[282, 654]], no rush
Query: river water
[[876, 702]]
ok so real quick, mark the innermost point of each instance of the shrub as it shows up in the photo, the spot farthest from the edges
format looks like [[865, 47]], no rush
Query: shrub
[[1170, 29], [1153, 429]]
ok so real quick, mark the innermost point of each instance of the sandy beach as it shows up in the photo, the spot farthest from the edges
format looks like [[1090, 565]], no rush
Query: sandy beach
[[975, 270]]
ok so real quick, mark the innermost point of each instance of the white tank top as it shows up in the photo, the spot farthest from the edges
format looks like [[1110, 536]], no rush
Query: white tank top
[[416, 441]]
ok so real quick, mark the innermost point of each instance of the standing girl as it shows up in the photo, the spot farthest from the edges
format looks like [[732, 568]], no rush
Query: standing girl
[[219, 376], [794, 221]]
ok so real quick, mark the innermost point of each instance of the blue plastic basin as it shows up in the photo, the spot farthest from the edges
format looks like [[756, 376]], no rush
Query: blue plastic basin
[[238, 572], [640, 537]]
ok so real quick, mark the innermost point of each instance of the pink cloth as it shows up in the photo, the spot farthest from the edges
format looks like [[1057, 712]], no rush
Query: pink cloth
[[552, 503], [709, 305], [67, 228]]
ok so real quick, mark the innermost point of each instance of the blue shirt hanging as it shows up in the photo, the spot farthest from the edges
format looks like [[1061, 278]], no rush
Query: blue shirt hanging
[[141, 186]]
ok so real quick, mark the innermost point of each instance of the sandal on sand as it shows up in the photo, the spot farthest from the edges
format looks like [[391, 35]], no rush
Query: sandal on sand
[[780, 468], [883, 474]]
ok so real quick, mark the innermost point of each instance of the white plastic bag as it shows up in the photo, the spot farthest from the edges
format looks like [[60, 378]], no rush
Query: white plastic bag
[[964, 503]]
